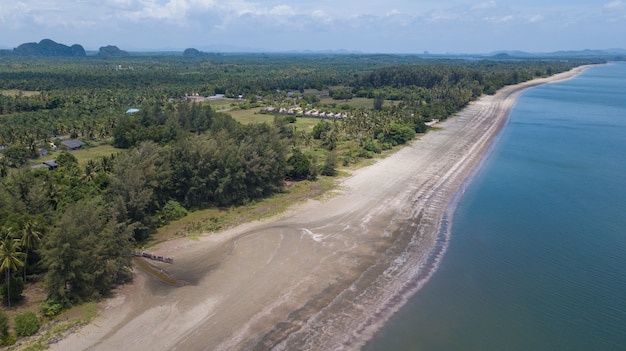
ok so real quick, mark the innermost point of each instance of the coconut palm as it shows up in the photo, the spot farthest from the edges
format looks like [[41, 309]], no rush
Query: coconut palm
[[91, 171], [10, 258], [31, 236], [4, 167]]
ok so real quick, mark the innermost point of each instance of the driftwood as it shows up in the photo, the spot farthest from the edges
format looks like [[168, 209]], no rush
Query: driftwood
[[153, 257]]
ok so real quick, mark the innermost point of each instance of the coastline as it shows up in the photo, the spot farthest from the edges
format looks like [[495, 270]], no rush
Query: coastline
[[324, 276]]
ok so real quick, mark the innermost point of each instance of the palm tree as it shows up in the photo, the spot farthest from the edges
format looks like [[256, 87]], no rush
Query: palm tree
[[4, 167], [91, 171], [30, 239], [307, 138], [10, 258]]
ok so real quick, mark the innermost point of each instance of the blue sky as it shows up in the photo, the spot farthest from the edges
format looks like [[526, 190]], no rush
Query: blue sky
[[390, 26]]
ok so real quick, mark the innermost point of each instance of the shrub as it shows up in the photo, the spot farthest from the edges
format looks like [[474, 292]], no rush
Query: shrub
[[398, 134], [172, 210], [4, 324], [26, 324], [300, 166], [366, 154], [7, 340], [346, 160], [51, 308], [372, 146], [319, 128], [329, 165]]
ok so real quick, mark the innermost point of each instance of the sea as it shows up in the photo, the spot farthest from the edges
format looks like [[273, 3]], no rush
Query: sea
[[537, 252]]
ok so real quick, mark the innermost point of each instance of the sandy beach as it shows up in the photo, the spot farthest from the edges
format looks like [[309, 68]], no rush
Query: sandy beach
[[323, 276]]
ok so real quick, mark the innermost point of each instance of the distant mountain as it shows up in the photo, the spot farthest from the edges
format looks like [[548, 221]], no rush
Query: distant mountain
[[503, 55], [191, 52], [112, 51], [48, 48], [609, 52]]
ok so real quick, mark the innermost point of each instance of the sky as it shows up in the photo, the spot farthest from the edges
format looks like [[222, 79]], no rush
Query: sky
[[369, 26]]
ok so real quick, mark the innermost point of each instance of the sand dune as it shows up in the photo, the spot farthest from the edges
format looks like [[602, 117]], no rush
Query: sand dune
[[325, 275]]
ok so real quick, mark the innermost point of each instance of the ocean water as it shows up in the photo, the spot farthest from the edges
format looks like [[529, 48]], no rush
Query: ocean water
[[537, 255]]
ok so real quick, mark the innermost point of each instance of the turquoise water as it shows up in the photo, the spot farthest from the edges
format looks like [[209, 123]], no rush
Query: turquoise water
[[537, 256]]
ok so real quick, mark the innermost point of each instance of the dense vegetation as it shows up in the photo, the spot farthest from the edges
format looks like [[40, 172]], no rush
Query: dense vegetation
[[74, 227]]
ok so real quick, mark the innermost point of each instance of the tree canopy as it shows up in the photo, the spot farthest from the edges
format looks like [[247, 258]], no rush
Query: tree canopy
[[76, 225]]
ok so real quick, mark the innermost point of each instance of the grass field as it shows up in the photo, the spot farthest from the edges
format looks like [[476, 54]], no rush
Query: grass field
[[215, 219], [253, 115], [83, 155], [15, 92], [94, 153], [222, 103]]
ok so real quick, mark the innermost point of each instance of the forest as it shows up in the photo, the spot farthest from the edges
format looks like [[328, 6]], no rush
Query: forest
[[72, 223]]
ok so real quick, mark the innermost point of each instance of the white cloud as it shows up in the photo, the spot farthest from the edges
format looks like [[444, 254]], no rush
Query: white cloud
[[121, 3], [447, 23], [501, 19], [282, 10], [442, 16], [614, 4], [319, 14], [484, 5]]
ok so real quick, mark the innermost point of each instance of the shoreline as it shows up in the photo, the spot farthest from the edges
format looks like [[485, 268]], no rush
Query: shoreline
[[325, 276]]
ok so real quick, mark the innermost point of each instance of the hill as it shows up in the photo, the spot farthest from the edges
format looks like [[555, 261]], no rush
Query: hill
[[112, 51], [48, 48]]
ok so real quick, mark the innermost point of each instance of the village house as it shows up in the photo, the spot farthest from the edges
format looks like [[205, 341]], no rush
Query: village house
[[73, 144]]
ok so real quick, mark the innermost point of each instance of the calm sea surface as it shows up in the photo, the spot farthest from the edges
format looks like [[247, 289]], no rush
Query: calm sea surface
[[537, 257]]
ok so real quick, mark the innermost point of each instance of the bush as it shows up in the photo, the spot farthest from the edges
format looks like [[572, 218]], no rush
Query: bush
[[346, 160], [319, 128], [26, 324], [366, 154], [329, 165], [51, 308], [401, 133], [172, 210], [7, 340], [300, 166], [372, 146], [4, 324]]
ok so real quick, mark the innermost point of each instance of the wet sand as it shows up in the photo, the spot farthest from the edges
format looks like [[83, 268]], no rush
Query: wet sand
[[325, 275]]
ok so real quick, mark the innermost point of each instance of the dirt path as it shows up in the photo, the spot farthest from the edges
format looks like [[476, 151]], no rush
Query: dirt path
[[323, 277]]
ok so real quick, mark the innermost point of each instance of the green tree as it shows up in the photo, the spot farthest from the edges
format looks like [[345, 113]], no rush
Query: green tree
[[306, 138], [66, 159], [86, 254], [139, 184], [31, 236], [320, 128], [379, 100], [111, 257], [330, 165], [300, 166], [10, 258], [16, 155], [330, 139], [399, 134], [4, 167]]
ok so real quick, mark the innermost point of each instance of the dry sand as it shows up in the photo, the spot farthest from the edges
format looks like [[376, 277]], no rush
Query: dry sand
[[326, 275]]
